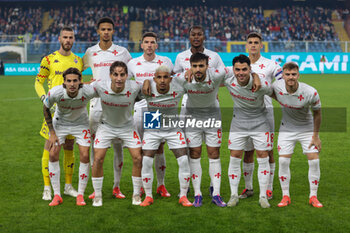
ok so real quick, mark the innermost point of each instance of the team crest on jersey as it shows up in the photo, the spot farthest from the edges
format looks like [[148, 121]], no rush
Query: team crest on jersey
[[151, 120], [75, 60], [94, 54], [56, 61], [138, 64]]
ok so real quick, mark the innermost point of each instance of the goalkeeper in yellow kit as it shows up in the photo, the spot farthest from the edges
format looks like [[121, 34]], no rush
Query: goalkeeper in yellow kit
[[51, 69]]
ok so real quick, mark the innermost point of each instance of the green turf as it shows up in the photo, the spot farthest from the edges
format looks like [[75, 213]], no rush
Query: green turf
[[22, 210]]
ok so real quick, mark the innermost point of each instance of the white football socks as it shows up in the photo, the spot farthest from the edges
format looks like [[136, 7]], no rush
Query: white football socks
[[263, 175], [84, 169], [97, 183], [234, 174], [117, 163], [160, 166], [314, 176], [54, 173], [215, 175], [284, 175], [184, 174], [196, 175], [248, 171], [147, 175]]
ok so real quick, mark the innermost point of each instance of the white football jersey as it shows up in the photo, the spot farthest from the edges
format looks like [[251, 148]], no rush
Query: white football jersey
[[168, 103], [70, 111], [182, 62], [248, 105], [296, 113], [141, 69], [202, 95], [100, 60], [268, 69], [117, 107]]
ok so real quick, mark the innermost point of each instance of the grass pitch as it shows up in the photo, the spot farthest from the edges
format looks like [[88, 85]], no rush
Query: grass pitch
[[23, 210]]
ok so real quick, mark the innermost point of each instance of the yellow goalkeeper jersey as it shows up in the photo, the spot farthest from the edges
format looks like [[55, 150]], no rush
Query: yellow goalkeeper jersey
[[52, 68]]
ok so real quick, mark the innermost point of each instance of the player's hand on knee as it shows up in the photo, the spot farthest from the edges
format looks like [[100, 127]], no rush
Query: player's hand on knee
[[315, 141], [53, 141]]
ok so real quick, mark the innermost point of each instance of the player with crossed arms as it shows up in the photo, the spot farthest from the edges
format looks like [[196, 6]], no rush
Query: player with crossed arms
[[71, 118]]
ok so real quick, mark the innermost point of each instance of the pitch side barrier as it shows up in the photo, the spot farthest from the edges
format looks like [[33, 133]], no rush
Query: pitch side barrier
[[309, 63]]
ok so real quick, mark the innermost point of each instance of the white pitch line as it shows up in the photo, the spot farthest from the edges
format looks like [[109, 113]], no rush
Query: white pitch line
[[19, 99]]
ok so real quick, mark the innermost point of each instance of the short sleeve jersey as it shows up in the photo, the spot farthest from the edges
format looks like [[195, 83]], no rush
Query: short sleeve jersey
[[100, 61], [268, 69], [117, 107], [296, 113], [202, 95], [168, 103], [248, 105], [70, 111], [141, 69], [53, 66], [182, 62]]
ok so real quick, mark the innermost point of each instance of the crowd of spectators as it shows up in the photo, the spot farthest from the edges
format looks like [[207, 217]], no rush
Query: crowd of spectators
[[224, 23]]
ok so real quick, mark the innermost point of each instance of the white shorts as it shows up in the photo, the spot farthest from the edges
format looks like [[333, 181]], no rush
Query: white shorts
[[107, 134], [287, 140], [152, 139], [212, 137], [139, 108], [270, 136], [94, 119], [241, 133], [80, 132]]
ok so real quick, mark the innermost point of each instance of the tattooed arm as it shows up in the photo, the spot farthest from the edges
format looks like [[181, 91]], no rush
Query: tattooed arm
[[53, 139]]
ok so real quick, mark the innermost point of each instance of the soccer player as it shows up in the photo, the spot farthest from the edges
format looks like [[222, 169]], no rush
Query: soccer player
[[270, 70], [164, 101], [142, 68], [298, 124], [51, 69], [202, 105], [117, 97], [100, 57], [71, 118], [182, 62], [249, 122]]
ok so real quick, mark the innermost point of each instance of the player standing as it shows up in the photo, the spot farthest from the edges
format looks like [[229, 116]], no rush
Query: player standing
[[164, 101], [202, 105], [182, 62], [249, 122], [117, 97], [71, 118], [270, 71], [298, 124], [51, 69], [143, 68], [100, 57]]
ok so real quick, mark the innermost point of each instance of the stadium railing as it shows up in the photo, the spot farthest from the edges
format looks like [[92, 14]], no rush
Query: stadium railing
[[34, 51]]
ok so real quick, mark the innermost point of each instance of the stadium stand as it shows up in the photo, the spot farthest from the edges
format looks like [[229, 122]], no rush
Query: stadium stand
[[284, 27]]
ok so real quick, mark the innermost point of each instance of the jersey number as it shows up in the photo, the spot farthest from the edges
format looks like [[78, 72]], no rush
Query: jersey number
[[86, 132]]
